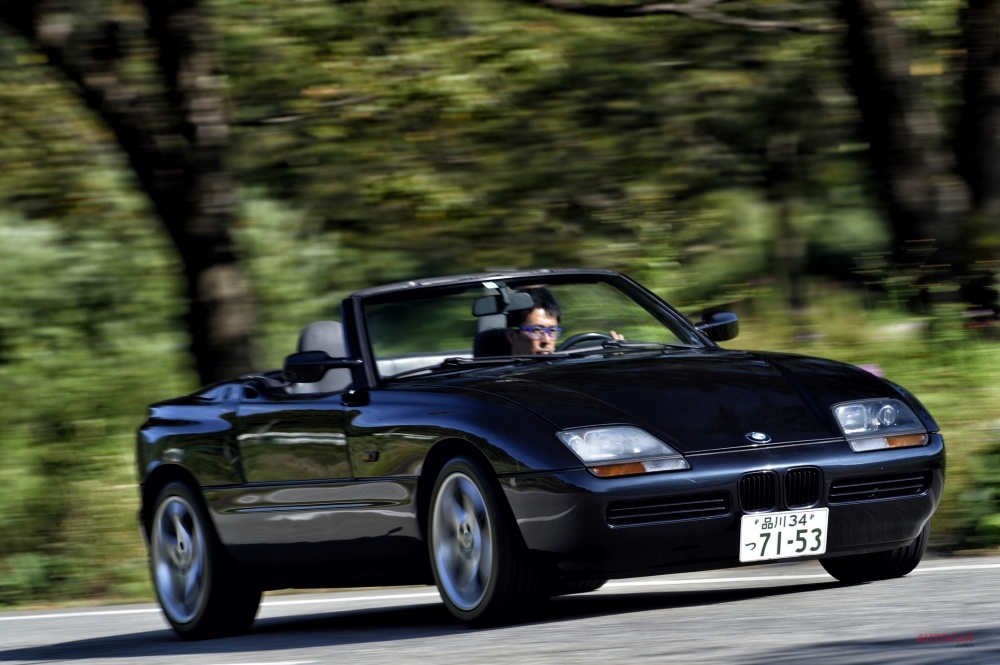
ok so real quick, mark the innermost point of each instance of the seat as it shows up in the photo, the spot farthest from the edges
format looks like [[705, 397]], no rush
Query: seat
[[491, 337], [326, 336]]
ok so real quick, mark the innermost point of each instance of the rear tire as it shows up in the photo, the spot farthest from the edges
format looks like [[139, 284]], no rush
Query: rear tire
[[198, 586], [480, 562], [858, 568]]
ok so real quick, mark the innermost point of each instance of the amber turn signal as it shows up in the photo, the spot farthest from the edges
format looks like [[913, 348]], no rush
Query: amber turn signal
[[614, 470], [906, 440]]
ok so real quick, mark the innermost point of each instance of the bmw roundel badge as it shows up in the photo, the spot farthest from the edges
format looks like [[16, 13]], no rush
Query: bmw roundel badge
[[758, 437]]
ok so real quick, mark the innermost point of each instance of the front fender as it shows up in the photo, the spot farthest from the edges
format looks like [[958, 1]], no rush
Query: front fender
[[403, 425]]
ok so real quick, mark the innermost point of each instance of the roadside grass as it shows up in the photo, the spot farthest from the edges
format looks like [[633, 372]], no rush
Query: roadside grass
[[93, 552]]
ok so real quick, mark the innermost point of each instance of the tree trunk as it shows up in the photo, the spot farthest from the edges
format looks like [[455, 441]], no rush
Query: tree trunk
[[174, 131], [912, 174], [978, 148]]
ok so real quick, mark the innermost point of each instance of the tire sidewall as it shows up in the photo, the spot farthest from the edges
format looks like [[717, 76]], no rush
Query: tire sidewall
[[182, 491], [468, 468]]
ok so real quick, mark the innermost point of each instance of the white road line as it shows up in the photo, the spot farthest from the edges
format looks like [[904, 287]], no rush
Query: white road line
[[977, 566], [69, 615], [347, 598], [773, 578], [716, 580], [267, 603]]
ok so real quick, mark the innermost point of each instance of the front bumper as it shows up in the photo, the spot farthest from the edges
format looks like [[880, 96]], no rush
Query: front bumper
[[569, 519]]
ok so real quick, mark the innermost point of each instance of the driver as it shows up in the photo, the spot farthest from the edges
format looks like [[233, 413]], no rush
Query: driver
[[534, 331]]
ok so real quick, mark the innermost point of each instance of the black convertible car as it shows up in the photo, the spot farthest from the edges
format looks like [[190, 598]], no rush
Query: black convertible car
[[517, 435]]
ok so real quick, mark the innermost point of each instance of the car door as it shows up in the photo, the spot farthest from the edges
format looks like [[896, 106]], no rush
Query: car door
[[299, 485], [293, 439], [302, 490]]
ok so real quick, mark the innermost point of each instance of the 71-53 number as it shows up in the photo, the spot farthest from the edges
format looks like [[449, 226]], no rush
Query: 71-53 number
[[802, 538]]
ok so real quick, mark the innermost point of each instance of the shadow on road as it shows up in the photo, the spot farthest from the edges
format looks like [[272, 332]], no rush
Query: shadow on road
[[573, 607], [282, 633]]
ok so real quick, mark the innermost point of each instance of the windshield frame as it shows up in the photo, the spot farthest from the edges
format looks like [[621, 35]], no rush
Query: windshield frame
[[357, 306]]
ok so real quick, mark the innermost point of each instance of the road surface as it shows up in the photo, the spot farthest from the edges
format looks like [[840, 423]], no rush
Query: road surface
[[946, 611]]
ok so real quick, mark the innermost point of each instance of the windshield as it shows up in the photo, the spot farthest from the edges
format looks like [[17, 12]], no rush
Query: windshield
[[423, 331]]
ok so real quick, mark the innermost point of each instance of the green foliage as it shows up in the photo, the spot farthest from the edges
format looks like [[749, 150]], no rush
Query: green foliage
[[479, 134], [82, 346], [88, 337]]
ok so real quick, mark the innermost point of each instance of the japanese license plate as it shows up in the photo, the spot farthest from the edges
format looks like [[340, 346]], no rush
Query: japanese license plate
[[783, 535]]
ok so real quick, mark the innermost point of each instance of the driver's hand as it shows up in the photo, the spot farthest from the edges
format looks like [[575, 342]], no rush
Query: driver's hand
[[615, 335]]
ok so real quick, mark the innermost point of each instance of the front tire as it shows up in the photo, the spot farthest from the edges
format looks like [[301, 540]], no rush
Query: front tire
[[197, 585], [480, 562], [858, 568]]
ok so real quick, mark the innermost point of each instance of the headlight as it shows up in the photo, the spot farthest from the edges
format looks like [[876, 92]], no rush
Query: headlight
[[621, 451], [876, 424]]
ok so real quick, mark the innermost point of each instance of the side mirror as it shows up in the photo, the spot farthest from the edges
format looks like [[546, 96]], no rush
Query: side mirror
[[311, 366], [719, 326]]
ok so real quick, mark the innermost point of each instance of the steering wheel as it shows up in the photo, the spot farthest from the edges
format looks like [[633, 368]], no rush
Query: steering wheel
[[583, 338]]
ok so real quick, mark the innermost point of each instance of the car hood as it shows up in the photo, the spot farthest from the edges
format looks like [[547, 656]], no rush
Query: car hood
[[696, 400]]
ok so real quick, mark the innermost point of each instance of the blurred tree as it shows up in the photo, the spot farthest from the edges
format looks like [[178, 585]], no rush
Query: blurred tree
[[420, 139], [940, 189], [152, 80], [978, 147], [914, 171]]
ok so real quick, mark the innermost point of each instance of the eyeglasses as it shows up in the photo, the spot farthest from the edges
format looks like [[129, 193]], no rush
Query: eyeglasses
[[537, 332]]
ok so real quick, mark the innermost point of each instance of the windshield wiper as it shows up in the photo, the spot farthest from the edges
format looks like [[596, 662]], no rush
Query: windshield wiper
[[628, 344], [621, 346], [611, 346], [454, 364]]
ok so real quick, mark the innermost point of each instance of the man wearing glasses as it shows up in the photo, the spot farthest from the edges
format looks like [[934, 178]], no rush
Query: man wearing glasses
[[535, 331]]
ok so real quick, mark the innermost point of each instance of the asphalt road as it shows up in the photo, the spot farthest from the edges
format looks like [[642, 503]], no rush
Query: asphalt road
[[946, 611]]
